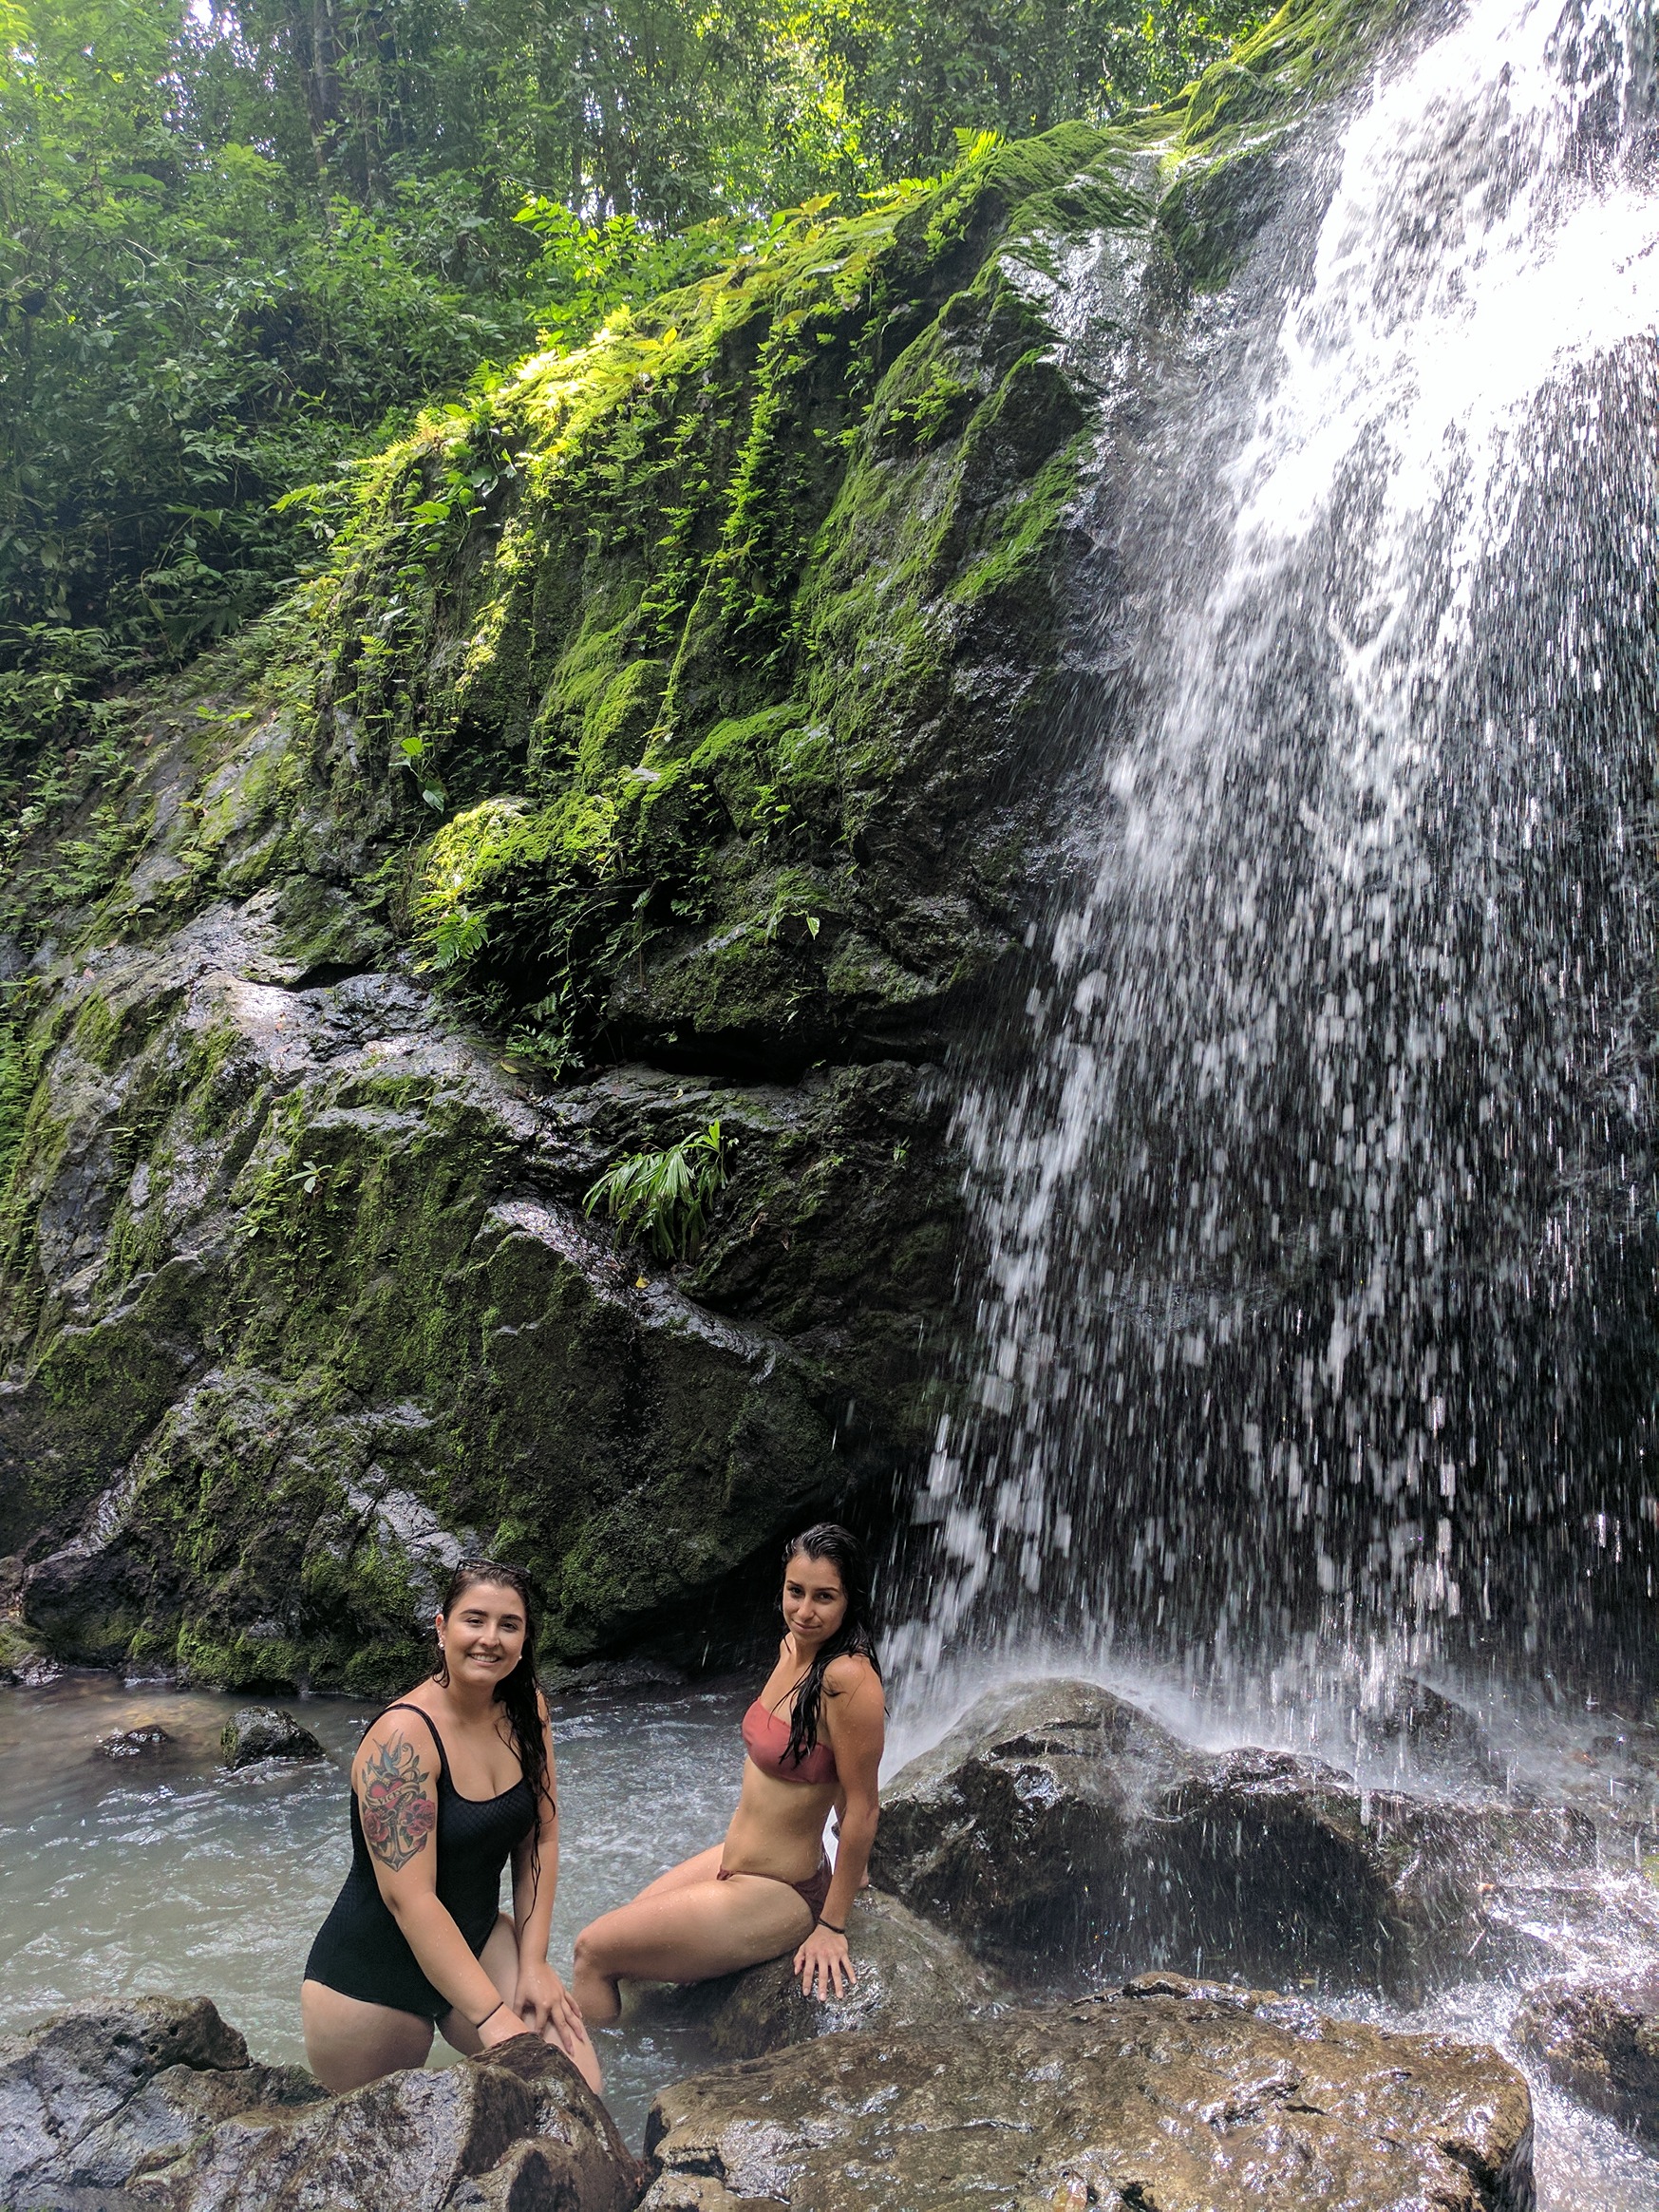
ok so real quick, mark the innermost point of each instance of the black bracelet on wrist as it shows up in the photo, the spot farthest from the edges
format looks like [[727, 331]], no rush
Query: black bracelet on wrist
[[830, 1926], [491, 2013]]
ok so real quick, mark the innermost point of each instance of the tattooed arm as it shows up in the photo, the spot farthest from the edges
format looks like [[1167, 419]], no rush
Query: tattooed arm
[[395, 1778]]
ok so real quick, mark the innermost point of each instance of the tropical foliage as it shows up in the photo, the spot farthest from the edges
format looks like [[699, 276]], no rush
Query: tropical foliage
[[242, 243], [662, 1198]]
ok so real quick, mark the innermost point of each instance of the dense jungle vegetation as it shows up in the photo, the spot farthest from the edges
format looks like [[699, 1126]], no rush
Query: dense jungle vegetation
[[240, 246]]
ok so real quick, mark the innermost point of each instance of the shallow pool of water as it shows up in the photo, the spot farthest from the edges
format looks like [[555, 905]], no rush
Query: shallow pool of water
[[162, 1872]]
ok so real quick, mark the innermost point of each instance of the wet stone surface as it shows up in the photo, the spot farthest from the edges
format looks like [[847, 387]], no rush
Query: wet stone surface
[[1184, 2096], [148, 1738], [153, 2106], [911, 1975], [1058, 1827], [265, 1731], [1600, 2043]]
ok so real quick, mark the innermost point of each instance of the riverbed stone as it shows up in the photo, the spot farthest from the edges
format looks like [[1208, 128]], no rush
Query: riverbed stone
[[68, 2078], [152, 2105], [24, 1661], [141, 1742], [265, 1731], [1058, 1827], [1168, 2093], [911, 1975], [1600, 2043], [171, 2113], [517, 2129]]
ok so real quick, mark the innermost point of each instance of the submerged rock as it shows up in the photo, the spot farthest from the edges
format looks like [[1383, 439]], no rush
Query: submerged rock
[[265, 1731], [911, 1975], [1172, 2094], [154, 2107], [1059, 1825], [612, 1678], [1599, 2044], [147, 1737]]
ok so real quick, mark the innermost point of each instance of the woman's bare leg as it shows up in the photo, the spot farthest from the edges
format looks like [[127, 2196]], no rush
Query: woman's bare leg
[[689, 1871], [500, 1960], [686, 1931], [347, 2043]]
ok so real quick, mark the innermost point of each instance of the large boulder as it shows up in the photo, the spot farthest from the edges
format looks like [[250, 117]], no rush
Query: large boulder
[[66, 2087], [1058, 1825], [1176, 2095], [1599, 2044], [517, 2129], [153, 2106], [911, 1975]]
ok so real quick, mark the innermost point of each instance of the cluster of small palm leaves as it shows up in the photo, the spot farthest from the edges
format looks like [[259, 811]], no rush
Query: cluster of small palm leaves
[[662, 1198]]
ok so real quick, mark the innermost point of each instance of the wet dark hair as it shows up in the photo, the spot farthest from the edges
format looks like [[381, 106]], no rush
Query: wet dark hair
[[516, 1691], [828, 1541]]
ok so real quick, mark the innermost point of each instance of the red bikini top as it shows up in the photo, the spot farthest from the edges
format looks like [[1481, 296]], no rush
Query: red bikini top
[[766, 1741]]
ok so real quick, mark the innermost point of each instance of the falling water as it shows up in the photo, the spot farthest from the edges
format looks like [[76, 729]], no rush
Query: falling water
[[1316, 1226]]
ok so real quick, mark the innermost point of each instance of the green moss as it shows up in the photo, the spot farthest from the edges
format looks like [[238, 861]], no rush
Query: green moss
[[1311, 46], [213, 1661], [1222, 160], [20, 1649], [693, 628]]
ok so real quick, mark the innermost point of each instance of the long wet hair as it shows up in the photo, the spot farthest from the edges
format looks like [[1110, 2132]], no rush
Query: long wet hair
[[828, 1541], [516, 1691]]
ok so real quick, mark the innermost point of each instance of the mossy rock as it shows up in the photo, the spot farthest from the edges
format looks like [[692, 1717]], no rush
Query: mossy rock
[[664, 741]]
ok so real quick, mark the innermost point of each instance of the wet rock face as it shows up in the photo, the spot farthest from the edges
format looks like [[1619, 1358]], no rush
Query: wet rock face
[[265, 1731], [1600, 2045], [911, 1975], [64, 2085], [1058, 1826], [371, 1323], [1183, 2096], [296, 1293], [154, 2108]]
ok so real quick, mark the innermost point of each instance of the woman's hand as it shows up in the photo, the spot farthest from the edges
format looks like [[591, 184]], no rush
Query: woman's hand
[[543, 2002], [825, 1964]]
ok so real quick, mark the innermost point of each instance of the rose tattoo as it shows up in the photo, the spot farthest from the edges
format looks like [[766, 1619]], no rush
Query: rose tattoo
[[396, 1812]]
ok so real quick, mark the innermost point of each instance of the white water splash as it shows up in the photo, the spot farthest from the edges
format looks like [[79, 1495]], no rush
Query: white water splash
[[1312, 1234]]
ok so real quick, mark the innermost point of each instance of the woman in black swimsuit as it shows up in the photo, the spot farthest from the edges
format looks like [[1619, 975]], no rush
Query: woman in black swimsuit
[[814, 1740], [446, 1787]]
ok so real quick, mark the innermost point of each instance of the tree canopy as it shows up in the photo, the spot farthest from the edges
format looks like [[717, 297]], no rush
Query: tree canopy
[[240, 244]]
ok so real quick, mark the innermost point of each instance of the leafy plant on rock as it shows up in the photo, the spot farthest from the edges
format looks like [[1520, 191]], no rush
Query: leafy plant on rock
[[662, 1198]]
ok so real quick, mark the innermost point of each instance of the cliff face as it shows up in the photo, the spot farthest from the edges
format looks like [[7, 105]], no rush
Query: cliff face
[[662, 743]]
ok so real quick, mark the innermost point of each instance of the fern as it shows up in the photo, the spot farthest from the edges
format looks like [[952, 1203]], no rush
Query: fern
[[663, 1198]]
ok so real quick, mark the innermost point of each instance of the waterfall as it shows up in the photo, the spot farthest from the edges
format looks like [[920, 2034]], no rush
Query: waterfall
[[1314, 1229]]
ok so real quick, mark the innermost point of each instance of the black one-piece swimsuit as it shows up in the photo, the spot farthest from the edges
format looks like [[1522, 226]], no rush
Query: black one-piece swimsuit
[[360, 1949]]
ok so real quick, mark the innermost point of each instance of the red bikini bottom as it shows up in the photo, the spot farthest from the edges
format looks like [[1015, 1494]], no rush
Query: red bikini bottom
[[814, 1890]]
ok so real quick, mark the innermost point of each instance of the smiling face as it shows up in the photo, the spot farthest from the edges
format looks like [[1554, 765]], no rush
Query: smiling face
[[481, 1637], [815, 1601]]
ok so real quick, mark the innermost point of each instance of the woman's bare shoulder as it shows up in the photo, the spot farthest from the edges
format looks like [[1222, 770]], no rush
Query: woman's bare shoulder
[[849, 1672], [392, 1728]]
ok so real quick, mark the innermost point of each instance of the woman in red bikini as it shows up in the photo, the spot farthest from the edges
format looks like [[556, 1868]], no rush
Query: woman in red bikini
[[814, 1740]]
